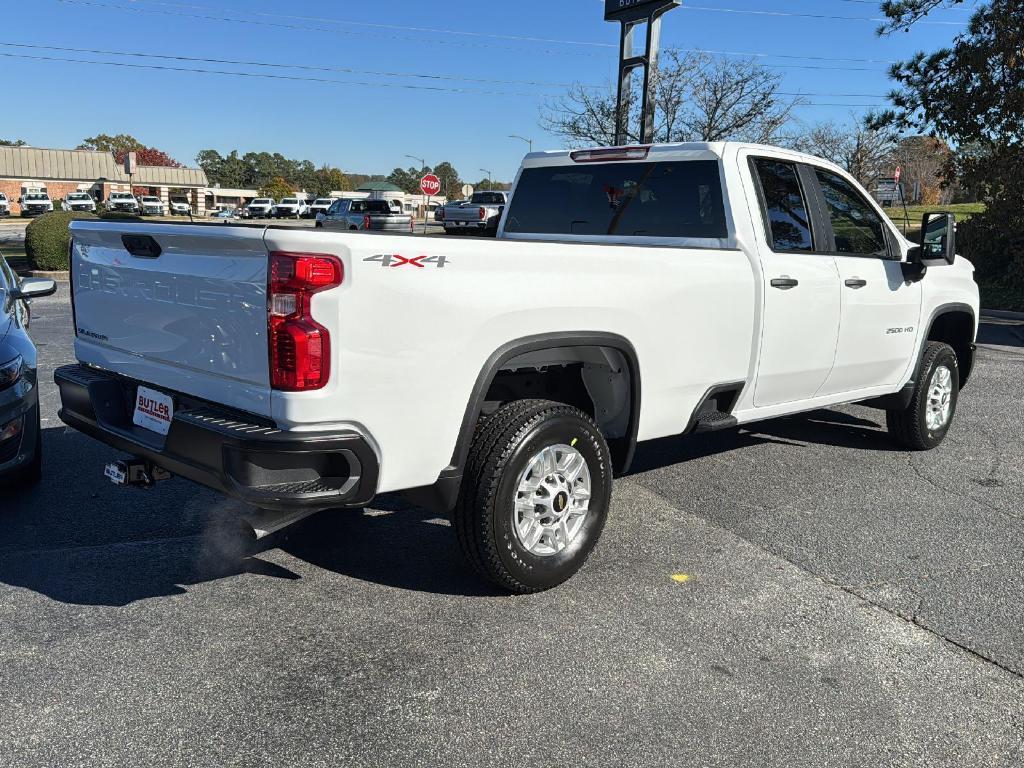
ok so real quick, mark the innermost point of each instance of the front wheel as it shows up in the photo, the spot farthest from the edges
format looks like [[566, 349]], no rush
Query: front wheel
[[535, 495], [923, 425]]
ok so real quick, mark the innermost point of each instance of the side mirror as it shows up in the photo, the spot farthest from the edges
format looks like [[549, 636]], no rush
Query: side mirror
[[938, 237], [35, 288]]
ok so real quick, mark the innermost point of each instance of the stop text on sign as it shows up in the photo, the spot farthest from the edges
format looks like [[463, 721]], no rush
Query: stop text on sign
[[430, 184]]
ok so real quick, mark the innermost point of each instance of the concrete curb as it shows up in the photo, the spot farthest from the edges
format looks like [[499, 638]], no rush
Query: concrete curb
[[1002, 314], [60, 276]]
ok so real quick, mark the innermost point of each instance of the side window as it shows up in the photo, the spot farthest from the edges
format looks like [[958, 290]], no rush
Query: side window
[[785, 206], [857, 228]]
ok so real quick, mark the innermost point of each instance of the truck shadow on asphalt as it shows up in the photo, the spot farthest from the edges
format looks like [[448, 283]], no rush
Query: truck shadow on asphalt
[[821, 427], [77, 539]]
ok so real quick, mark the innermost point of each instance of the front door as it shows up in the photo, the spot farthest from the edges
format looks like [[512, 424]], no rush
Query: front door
[[800, 325], [880, 309]]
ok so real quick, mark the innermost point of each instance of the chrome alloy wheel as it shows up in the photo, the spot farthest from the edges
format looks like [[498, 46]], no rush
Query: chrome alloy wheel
[[940, 399], [552, 500]]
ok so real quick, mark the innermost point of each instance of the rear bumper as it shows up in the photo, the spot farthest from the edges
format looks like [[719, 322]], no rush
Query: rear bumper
[[225, 450]]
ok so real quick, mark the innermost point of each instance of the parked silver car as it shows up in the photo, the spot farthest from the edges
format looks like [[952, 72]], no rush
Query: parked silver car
[[373, 215]]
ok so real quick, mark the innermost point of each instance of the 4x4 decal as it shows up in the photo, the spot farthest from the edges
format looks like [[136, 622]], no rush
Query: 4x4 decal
[[421, 262]]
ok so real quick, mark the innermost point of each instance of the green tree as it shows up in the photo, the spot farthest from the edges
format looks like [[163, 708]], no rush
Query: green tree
[[12, 143], [326, 180], [971, 95], [116, 145], [451, 184], [277, 188], [408, 178]]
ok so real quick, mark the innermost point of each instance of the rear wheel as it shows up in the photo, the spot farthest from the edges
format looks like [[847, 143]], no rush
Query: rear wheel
[[923, 425], [535, 495]]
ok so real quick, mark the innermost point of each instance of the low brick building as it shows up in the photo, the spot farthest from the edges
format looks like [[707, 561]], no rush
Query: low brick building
[[59, 172]]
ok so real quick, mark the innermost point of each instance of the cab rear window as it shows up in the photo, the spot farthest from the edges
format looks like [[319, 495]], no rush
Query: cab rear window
[[681, 199]]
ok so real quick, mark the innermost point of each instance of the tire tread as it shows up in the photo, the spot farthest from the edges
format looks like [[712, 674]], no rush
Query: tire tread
[[494, 443]]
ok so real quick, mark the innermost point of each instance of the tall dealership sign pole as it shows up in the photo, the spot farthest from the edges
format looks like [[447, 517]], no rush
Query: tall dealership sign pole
[[631, 14]]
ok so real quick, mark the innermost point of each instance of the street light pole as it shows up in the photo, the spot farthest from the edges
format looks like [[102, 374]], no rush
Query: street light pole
[[423, 172], [523, 138], [490, 179]]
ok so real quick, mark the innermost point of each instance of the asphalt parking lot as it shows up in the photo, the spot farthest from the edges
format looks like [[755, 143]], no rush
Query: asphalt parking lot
[[800, 594]]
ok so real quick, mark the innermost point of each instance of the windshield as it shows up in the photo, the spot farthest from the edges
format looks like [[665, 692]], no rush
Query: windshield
[[654, 199], [290, 201], [36, 196], [262, 201], [78, 196], [151, 199], [378, 206], [323, 201], [488, 198], [120, 196]]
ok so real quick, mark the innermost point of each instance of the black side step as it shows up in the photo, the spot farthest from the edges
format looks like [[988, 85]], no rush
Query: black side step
[[713, 421]]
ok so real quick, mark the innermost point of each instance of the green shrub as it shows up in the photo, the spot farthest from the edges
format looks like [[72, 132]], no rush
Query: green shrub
[[47, 239], [120, 216]]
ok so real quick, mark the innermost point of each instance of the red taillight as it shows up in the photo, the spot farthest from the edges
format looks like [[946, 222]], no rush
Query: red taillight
[[483, 214], [366, 222], [300, 348]]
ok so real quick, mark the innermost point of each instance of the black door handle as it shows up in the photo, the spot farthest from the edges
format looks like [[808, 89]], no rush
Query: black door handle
[[785, 283], [855, 283]]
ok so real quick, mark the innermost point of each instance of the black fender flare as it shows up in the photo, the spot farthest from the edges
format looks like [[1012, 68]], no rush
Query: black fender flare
[[443, 494]]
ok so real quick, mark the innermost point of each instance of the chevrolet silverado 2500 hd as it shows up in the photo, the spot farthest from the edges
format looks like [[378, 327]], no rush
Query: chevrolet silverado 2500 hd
[[633, 293]]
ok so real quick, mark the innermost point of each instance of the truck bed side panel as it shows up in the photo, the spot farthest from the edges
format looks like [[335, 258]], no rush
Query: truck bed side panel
[[410, 339]]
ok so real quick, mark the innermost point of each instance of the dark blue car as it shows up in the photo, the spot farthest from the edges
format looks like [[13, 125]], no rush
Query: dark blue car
[[20, 434]]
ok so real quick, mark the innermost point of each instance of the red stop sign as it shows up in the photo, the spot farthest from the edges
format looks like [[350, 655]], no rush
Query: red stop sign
[[430, 184]]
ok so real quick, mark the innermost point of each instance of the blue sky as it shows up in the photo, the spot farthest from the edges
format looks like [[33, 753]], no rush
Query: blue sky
[[369, 128]]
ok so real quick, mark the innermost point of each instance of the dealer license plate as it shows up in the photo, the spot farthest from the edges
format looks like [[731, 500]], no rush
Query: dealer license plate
[[153, 410]]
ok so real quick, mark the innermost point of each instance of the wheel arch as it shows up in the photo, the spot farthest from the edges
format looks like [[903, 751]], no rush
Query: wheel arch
[[576, 348], [954, 324]]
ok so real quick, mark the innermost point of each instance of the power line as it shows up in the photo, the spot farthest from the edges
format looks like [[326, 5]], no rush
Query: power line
[[294, 78], [305, 67], [312, 68], [377, 25], [309, 28], [324, 81], [820, 16], [756, 54]]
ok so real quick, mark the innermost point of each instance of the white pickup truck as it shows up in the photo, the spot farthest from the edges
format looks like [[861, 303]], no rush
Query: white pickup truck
[[633, 293]]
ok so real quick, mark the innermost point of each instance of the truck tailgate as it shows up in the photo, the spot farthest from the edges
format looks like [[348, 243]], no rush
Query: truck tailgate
[[192, 319]]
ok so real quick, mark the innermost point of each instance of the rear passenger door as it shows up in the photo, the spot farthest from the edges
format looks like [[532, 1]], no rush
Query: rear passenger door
[[800, 325], [880, 309]]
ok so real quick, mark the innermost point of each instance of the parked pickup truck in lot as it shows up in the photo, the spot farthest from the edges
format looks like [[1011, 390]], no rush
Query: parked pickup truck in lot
[[366, 215], [152, 206], [260, 208], [35, 204], [5, 206], [291, 208], [122, 201], [480, 215], [180, 206], [79, 201], [319, 206], [633, 293]]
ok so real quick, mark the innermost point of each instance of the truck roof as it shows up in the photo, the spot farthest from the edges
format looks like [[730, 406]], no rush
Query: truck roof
[[695, 150]]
